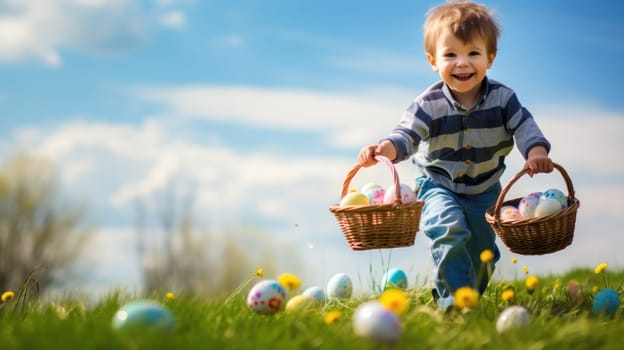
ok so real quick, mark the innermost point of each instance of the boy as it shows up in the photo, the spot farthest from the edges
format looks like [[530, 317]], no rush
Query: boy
[[459, 130]]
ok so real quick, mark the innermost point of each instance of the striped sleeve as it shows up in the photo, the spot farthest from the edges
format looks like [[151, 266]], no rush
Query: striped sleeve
[[521, 124]]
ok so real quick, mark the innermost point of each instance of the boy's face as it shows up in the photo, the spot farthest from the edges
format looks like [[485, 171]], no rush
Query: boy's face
[[462, 66]]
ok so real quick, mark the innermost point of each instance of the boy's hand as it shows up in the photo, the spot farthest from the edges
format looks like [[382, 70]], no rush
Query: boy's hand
[[368, 153], [538, 161]]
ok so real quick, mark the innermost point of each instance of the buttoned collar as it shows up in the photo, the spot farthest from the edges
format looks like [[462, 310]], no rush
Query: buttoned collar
[[485, 88]]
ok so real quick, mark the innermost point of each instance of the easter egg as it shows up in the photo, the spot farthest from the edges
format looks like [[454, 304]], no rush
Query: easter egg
[[606, 302], [370, 186], [394, 278], [510, 213], [354, 198], [556, 194], [266, 297], [407, 194], [513, 317], [315, 293], [339, 286], [299, 303], [527, 205], [547, 206], [375, 195], [373, 321], [143, 315]]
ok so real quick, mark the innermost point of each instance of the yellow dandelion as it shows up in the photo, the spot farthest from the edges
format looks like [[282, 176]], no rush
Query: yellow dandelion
[[600, 268], [8, 295], [260, 272], [507, 295], [332, 317], [514, 260], [486, 256], [595, 289], [525, 270], [557, 284], [466, 297], [170, 296], [531, 282], [289, 281], [395, 300]]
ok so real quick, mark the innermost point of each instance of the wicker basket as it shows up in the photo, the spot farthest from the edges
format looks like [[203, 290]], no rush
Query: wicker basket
[[540, 235], [378, 226]]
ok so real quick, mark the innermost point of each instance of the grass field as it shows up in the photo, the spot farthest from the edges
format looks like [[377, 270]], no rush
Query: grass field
[[558, 321]]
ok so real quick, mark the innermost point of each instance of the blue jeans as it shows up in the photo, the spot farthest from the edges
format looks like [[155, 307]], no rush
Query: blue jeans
[[456, 225]]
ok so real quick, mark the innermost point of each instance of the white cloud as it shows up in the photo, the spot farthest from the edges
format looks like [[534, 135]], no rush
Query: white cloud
[[39, 29], [341, 117], [173, 19], [116, 163]]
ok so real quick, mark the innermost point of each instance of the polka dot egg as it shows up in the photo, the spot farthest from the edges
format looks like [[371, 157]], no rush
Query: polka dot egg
[[266, 297]]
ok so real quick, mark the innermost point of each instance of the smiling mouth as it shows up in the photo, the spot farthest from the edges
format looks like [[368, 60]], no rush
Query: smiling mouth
[[463, 77]]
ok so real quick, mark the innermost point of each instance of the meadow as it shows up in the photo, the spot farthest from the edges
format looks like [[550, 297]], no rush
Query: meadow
[[560, 308]]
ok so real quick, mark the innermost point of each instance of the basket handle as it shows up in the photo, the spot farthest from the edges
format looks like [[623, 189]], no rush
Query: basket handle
[[357, 167], [522, 172]]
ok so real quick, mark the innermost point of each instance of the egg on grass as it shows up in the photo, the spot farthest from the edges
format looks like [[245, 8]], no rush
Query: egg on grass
[[315, 292], [373, 321], [394, 278], [143, 315], [513, 317], [339, 286], [606, 302], [266, 297], [299, 302]]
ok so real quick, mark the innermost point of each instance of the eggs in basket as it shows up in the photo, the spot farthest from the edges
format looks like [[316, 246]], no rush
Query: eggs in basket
[[375, 194], [535, 205]]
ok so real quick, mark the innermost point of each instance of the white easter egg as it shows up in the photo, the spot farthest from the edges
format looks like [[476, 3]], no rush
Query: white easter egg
[[547, 206], [370, 186], [315, 293], [339, 286], [527, 205], [266, 297], [513, 317], [407, 194], [510, 213], [556, 194], [373, 321], [394, 278]]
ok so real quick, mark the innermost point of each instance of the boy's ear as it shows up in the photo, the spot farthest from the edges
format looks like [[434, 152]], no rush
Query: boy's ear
[[432, 62], [491, 58]]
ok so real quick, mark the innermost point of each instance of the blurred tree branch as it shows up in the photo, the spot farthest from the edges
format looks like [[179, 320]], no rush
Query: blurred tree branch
[[38, 226]]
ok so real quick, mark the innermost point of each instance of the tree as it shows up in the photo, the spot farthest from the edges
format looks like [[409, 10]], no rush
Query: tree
[[177, 255], [38, 225]]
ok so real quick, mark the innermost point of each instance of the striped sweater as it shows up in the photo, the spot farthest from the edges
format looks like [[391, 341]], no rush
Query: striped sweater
[[464, 149]]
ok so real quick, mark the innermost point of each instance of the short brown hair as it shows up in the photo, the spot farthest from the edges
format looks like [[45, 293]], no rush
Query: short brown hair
[[466, 20]]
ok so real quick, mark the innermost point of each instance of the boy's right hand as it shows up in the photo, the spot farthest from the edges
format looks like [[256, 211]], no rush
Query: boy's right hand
[[368, 153]]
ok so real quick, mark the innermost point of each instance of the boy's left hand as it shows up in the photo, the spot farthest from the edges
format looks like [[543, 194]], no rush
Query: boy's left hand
[[538, 161]]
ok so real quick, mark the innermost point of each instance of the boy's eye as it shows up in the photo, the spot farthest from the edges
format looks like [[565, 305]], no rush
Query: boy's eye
[[474, 53], [449, 54]]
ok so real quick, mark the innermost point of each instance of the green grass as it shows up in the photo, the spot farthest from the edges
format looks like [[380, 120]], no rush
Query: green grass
[[557, 322]]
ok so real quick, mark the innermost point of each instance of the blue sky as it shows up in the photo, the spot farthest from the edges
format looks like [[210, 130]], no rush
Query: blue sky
[[262, 107]]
